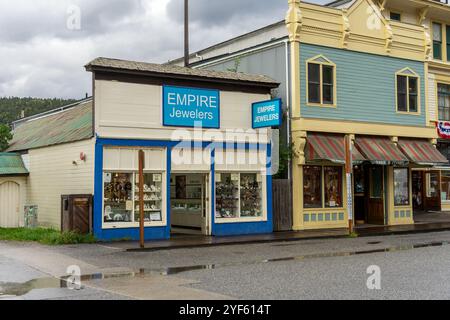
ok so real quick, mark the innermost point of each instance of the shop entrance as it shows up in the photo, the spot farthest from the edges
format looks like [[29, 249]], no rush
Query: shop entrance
[[369, 195], [190, 203], [426, 190]]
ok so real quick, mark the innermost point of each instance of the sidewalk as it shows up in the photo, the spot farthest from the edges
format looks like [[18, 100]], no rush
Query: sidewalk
[[197, 241]]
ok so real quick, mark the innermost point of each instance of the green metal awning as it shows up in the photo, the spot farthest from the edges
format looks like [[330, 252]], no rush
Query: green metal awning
[[11, 164]]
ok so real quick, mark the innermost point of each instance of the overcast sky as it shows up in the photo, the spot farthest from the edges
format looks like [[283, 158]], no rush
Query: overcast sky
[[44, 44]]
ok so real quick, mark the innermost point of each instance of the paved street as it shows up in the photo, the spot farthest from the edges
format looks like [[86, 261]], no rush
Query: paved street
[[412, 267]]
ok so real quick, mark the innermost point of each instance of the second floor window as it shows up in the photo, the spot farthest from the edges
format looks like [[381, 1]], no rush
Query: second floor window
[[437, 41], [444, 101], [407, 93], [321, 75]]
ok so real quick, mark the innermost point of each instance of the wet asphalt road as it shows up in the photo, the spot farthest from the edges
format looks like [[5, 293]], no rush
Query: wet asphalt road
[[412, 267]]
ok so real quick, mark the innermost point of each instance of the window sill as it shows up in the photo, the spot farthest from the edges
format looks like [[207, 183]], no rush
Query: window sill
[[239, 220], [409, 113], [324, 209], [321, 105]]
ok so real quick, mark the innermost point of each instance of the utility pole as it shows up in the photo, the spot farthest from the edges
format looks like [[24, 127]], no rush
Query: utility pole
[[186, 33]]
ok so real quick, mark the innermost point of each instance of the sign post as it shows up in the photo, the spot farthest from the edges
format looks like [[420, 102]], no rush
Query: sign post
[[349, 176], [141, 199]]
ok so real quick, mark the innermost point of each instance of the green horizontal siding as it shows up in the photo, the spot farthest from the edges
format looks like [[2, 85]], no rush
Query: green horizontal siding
[[365, 87]]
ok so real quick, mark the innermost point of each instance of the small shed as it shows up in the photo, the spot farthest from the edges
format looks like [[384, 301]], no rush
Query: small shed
[[13, 180]]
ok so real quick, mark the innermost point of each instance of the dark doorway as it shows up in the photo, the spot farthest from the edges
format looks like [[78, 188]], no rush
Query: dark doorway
[[375, 195], [418, 190]]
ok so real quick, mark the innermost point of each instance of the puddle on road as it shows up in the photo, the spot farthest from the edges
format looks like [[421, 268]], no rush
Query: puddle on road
[[20, 289]]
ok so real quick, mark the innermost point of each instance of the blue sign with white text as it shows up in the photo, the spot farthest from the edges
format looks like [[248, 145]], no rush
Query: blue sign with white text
[[190, 107], [266, 114]]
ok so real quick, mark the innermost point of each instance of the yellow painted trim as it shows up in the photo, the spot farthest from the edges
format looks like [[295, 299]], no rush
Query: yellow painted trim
[[427, 98], [328, 62], [404, 73], [362, 128]]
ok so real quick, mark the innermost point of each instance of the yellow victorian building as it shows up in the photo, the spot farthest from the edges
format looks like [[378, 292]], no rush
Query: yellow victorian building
[[369, 71]]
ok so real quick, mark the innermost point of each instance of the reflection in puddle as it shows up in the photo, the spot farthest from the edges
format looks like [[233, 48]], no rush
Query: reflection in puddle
[[20, 289]]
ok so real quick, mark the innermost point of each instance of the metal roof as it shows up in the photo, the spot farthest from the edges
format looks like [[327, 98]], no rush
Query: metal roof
[[12, 164], [172, 70], [66, 126]]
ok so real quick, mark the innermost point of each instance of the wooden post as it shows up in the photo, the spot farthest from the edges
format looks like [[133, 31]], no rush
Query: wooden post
[[349, 180], [141, 199]]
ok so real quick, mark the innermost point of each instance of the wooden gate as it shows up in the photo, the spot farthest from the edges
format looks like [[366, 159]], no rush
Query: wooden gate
[[76, 213], [282, 205], [9, 204]]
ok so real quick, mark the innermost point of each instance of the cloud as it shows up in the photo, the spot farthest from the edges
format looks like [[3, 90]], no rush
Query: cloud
[[41, 57], [218, 13]]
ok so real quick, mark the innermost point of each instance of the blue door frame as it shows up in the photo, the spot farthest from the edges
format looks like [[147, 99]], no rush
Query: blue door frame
[[160, 233]]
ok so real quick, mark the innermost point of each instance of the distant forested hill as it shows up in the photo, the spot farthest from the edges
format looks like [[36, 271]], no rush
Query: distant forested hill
[[11, 107]]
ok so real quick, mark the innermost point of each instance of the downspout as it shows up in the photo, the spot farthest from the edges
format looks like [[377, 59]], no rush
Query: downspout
[[288, 107]]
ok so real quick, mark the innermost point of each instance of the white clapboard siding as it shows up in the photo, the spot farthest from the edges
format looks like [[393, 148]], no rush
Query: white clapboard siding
[[56, 171], [129, 110], [432, 99]]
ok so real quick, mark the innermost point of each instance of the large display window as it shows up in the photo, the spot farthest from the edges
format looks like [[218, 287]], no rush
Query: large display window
[[445, 185], [401, 187], [239, 196], [322, 187], [121, 198]]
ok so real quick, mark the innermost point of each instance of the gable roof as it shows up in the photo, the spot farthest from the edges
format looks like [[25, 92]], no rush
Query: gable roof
[[66, 126], [107, 64], [12, 164]]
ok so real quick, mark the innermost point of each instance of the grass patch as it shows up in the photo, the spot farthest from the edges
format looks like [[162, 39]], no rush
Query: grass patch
[[44, 236], [353, 235]]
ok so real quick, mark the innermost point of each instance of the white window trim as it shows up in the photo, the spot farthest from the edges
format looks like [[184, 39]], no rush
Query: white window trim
[[264, 199]]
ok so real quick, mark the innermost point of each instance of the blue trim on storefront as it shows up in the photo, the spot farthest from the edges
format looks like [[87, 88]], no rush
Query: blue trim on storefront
[[160, 233]]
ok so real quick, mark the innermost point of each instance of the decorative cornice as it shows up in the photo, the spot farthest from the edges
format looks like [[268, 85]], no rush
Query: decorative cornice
[[294, 20]]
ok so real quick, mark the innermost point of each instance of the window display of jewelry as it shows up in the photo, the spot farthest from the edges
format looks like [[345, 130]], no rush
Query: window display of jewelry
[[118, 197], [227, 196], [250, 196], [152, 198]]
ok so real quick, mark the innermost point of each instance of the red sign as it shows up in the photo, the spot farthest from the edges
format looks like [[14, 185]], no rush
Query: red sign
[[443, 129]]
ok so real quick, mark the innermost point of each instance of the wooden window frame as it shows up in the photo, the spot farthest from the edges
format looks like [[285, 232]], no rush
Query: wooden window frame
[[321, 61], [440, 82], [445, 54], [408, 73]]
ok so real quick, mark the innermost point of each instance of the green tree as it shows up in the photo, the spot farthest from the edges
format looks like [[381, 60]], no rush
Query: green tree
[[5, 137]]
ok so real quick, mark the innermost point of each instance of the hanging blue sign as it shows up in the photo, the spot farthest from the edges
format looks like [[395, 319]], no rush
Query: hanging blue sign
[[190, 107], [266, 114]]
